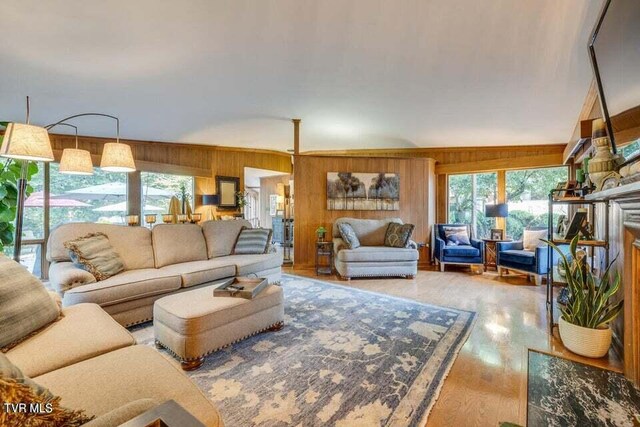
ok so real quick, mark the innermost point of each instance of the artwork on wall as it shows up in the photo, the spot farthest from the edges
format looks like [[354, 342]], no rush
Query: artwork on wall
[[363, 191], [273, 204]]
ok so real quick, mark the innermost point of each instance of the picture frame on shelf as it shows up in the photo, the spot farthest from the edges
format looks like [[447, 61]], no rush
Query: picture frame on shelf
[[497, 234], [576, 225], [562, 185]]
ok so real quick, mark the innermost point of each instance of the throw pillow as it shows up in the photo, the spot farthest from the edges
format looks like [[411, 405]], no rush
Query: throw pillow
[[25, 304], [95, 254], [348, 234], [398, 235], [457, 235], [253, 241], [16, 388], [10, 371], [531, 239]]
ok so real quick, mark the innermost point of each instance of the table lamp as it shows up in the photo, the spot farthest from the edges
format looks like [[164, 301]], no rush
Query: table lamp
[[498, 210]]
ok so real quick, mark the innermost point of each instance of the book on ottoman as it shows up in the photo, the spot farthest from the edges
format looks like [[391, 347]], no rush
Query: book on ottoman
[[241, 287]]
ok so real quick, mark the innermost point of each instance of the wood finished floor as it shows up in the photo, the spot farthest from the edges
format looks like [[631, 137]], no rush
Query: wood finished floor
[[487, 383]]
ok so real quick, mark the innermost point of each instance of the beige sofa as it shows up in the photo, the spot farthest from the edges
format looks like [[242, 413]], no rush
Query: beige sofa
[[167, 259], [372, 258], [92, 363]]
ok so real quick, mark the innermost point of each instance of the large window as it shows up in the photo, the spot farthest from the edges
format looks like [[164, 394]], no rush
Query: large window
[[33, 225], [159, 188], [101, 197], [528, 198], [468, 194]]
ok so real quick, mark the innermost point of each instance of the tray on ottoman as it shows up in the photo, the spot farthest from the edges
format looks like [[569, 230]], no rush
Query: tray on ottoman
[[241, 287], [194, 323]]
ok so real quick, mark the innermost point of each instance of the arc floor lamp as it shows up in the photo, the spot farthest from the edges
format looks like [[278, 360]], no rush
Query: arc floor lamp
[[27, 143]]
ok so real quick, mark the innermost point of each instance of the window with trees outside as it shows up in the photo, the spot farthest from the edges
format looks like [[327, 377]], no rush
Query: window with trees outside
[[159, 188], [101, 197], [528, 198], [33, 226], [468, 194]]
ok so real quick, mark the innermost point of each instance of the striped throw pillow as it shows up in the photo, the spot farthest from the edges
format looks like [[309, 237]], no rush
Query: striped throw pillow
[[95, 254], [253, 241]]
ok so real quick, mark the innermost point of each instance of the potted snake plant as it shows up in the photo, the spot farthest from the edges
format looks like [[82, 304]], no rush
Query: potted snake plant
[[584, 322]]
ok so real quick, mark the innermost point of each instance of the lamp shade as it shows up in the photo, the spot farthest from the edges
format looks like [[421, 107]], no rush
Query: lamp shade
[[117, 157], [210, 199], [500, 210], [26, 142], [76, 162]]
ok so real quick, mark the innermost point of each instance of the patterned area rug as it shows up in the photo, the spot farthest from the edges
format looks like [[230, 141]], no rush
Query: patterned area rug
[[345, 357], [566, 393]]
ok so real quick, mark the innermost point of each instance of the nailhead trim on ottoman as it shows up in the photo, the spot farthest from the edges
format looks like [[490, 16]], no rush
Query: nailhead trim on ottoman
[[193, 324]]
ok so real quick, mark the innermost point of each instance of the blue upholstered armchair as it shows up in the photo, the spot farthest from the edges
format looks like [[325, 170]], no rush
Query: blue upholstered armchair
[[443, 253], [513, 256]]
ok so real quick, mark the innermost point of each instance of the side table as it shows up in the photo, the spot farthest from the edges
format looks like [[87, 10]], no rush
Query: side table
[[491, 252], [324, 252]]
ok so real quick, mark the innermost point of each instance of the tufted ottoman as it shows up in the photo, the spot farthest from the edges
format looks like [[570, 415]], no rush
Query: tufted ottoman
[[194, 323]]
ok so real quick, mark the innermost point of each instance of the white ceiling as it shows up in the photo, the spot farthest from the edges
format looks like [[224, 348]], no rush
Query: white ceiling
[[359, 73]]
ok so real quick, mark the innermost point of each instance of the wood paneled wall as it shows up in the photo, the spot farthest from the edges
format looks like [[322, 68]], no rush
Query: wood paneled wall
[[471, 159], [417, 197], [202, 161]]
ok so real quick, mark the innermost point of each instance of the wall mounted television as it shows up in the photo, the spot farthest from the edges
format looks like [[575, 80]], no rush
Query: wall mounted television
[[614, 49]]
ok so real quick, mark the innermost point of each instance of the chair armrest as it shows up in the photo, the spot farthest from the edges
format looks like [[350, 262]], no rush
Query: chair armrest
[[439, 247], [338, 245], [509, 246], [478, 244], [542, 256], [64, 276]]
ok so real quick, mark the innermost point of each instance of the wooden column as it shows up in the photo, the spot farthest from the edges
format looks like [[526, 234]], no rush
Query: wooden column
[[296, 136], [134, 196], [502, 198]]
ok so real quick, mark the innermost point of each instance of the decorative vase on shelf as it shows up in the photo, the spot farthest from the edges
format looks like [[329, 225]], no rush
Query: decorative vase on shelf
[[603, 166]]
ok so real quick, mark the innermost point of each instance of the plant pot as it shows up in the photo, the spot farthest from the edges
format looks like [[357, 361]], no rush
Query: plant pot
[[585, 341], [321, 237]]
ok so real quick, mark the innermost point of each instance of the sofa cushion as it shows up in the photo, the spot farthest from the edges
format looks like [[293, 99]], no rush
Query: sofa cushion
[[398, 235], [461, 251], [518, 256], [253, 241], [370, 232], [111, 380], [221, 236], [250, 264], [25, 305], [377, 254], [95, 254], [198, 272], [84, 332], [133, 244], [176, 243], [348, 235], [125, 286]]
